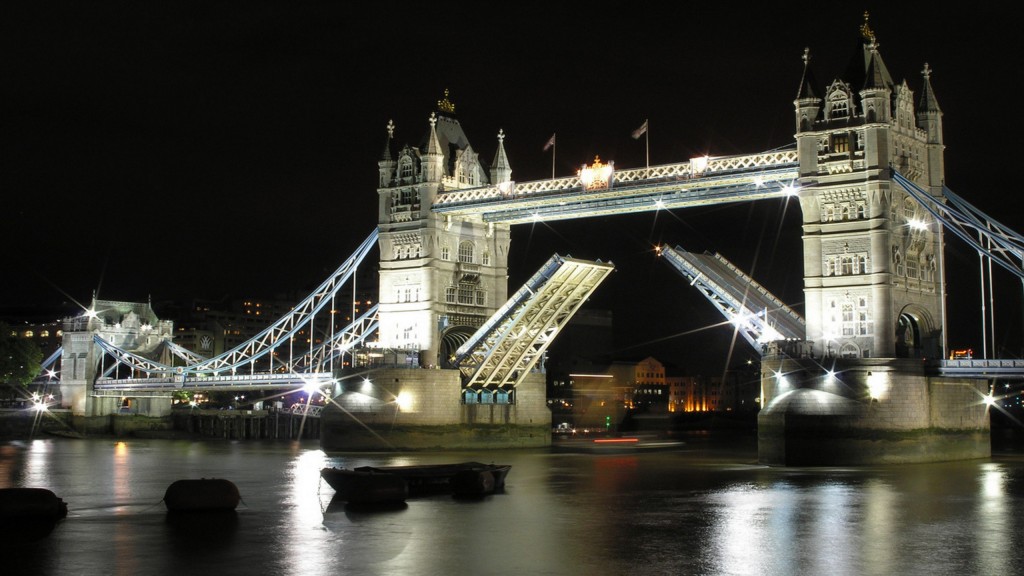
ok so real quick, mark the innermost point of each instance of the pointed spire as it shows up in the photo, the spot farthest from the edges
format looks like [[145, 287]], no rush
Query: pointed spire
[[928, 103], [433, 161], [807, 81], [875, 74], [433, 144], [501, 170]]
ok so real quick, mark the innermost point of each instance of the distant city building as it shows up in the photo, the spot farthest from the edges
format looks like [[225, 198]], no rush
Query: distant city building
[[46, 335]]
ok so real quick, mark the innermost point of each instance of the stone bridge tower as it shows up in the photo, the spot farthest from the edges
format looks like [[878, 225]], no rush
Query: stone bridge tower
[[873, 286], [441, 277], [873, 266]]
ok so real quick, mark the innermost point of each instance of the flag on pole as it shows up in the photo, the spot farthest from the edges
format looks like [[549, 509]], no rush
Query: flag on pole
[[639, 131], [551, 142]]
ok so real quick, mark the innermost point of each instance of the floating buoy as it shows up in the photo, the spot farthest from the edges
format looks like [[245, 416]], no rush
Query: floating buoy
[[203, 495], [29, 513]]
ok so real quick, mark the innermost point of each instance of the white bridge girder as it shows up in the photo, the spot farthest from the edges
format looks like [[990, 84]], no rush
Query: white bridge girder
[[504, 350], [758, 315], [701, 181]]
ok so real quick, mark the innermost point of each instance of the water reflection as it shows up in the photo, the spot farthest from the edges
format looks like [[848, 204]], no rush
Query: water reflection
[[693, 511]]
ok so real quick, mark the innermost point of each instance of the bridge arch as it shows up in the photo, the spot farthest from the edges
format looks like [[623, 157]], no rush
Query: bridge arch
[[916, 333], [451, 339]]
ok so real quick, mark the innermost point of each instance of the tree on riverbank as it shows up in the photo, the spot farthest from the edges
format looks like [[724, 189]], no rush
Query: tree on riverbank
[[20, 358]]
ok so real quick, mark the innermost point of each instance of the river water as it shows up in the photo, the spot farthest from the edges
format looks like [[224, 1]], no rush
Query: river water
[[706, 508]]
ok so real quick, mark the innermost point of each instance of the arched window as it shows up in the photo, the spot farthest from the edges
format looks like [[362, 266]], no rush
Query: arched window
[[909, 208], [848, 328], [466, 252], [405, 169]]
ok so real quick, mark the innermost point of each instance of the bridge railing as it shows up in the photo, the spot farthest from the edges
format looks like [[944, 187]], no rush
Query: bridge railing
[[234, 381], [980, 368]]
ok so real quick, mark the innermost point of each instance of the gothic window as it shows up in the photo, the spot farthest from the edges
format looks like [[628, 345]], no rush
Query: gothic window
[[449, 295], [408, 295], [911, 268], [485, 258], [481, 298], [840, 109], [845, 212], [446, 253], [909, 208], [848, 328], [861, 265], [830, 212], [837, 103], [466, 294], [466, 252], [847, 263], [405, 170], [840, 142], [828, 267], [862, 211], [862, 316]]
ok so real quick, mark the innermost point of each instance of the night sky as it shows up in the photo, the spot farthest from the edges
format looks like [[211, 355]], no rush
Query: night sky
[[171, 150]]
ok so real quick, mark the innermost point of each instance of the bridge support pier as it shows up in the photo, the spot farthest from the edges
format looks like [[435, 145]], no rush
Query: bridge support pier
[[845, 412], [422, 409]]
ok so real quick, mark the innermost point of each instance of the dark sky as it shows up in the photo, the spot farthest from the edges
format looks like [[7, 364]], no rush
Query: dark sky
[[202, 149]]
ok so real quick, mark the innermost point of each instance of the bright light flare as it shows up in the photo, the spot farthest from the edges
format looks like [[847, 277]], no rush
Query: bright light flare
[[877, 385], [404, 401], [917, 224]]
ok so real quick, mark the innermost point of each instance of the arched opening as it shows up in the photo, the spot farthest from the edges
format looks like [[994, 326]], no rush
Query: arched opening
[[908, 337], [451, 340]]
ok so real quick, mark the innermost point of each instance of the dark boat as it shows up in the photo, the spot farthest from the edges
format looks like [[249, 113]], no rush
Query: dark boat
[[382, 484], [203, 495]]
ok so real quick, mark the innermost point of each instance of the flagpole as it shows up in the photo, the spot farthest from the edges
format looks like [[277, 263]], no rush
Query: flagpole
[[647, 144], [554, 148]]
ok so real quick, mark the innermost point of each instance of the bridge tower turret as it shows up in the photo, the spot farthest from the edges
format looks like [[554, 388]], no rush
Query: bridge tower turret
[[873, 278], [441, 277]]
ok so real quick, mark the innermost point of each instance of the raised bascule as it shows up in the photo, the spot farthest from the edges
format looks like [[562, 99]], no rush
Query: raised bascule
[[861, 377]]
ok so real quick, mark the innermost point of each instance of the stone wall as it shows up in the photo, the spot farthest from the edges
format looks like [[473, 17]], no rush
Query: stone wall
[[402, 409], [877, 411]]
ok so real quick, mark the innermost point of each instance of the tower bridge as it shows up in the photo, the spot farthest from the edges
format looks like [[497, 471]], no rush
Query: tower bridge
[[867, 168]]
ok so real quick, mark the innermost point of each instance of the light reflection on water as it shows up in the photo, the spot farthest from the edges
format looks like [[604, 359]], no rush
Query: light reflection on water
[[699, 510]]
